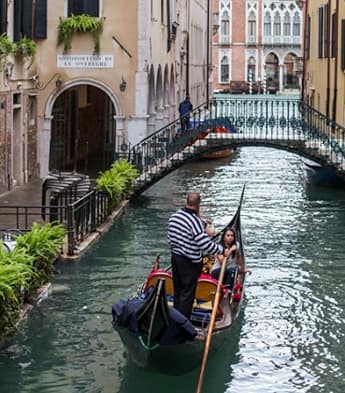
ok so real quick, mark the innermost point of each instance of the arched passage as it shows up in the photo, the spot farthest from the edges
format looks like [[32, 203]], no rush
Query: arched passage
[[272, 72], [290, 71], [152, 94], [83, 134]]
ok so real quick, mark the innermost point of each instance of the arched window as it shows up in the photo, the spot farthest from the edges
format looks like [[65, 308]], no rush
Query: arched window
[[225, 28], [267, 25], [277, 25], [224, 70], [296, 28], [252, 25], [287, 24]]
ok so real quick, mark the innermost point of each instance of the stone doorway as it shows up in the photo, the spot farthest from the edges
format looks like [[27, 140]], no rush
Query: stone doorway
[[83, 131]]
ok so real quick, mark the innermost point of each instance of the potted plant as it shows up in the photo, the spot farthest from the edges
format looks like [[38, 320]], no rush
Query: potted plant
[[79, 24]]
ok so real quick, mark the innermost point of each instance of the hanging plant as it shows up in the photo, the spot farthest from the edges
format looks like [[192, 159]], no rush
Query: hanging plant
[[25, 48], [79, 24], [7, 47]]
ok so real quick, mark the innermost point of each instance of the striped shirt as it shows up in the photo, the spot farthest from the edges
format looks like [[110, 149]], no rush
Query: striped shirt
[[187, 236]]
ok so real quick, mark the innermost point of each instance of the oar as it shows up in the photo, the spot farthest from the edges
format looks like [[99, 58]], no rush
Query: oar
[[211, 326]]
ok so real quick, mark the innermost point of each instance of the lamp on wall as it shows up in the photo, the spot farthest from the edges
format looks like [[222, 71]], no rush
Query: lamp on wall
[[58, 82], [123, 85]]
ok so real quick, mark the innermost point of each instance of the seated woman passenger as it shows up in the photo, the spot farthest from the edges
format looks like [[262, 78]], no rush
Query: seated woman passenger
[[234, 263]]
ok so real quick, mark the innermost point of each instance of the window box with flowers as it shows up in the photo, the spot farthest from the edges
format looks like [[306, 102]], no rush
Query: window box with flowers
[[79, 24], [25, 48]]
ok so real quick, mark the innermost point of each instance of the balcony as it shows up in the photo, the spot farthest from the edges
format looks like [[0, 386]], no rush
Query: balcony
[[252, 40], [282, 40], [224, 40]]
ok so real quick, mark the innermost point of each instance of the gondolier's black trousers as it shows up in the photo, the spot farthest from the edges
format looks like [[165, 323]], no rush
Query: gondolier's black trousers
[[185, 279]]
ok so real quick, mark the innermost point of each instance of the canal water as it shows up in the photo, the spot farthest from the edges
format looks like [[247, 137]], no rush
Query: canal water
[[290, 333]]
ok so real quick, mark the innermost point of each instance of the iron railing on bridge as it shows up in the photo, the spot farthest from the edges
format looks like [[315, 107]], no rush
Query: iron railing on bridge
[[266, 120]]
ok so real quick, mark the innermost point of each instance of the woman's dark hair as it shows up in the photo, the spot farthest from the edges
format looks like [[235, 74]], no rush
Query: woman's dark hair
[[222, 242]]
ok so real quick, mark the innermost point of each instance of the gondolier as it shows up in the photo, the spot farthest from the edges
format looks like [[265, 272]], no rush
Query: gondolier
[[188, 243]]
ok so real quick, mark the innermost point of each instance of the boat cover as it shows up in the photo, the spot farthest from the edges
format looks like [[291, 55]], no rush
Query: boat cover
[[180, 328]]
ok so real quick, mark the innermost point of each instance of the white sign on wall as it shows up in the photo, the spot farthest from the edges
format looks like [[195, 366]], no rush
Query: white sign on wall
[[85, 61]]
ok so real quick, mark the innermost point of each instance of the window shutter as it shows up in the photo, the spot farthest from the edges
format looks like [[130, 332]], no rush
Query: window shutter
[[3, 16], [326, 30], [41, 19], [17, 20], [342, 44], [334, 32], [91, 7], [320, 46], [307, 38], [26, 30]]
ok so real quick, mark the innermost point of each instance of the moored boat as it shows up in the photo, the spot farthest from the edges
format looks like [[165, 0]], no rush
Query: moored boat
[[159, 337], [322, 175], [224, 152]]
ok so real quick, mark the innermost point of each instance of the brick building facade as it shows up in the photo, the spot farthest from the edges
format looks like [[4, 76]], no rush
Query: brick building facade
[[257, 47]]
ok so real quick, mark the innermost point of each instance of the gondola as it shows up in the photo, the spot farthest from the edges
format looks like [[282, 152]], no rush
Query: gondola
[[322, 175], [158, 337]]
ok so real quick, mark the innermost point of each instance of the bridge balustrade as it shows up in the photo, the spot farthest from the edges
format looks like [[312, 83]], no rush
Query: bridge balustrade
[[280, 122]]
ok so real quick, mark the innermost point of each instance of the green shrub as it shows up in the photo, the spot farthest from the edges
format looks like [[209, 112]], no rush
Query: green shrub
[[25, 269], [44, 244], [16, 274], [7, 47], [117, 181]]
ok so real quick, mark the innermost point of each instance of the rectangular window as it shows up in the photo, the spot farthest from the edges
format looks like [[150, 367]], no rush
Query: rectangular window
[[87, 7], [287, 28], [276, 29], [267, 29], [30, 19], [224, 73], [252, 28], [3, 16]]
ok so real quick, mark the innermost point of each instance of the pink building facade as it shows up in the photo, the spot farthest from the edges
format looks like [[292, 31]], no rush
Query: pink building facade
[[257, 47]]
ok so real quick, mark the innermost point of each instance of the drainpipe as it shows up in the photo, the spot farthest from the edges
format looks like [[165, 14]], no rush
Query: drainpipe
[[207, 53], [304, 47], [7, 172], [328, 51], [33, 11], [187, 47], [334, 111]]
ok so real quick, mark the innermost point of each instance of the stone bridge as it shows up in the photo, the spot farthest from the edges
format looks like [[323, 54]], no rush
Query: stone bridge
[[280, 123]]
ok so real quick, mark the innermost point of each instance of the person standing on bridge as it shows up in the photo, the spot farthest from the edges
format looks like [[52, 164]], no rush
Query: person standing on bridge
[[188, 243], [185, 109]]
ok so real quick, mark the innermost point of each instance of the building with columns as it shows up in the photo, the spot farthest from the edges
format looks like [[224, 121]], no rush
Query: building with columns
[[257, 47], [87, 96]]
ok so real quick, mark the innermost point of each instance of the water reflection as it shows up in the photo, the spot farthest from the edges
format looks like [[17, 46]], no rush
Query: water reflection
[[291, 333]]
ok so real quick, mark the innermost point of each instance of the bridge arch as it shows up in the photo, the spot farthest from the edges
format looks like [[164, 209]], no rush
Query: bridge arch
[[280, 123]]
